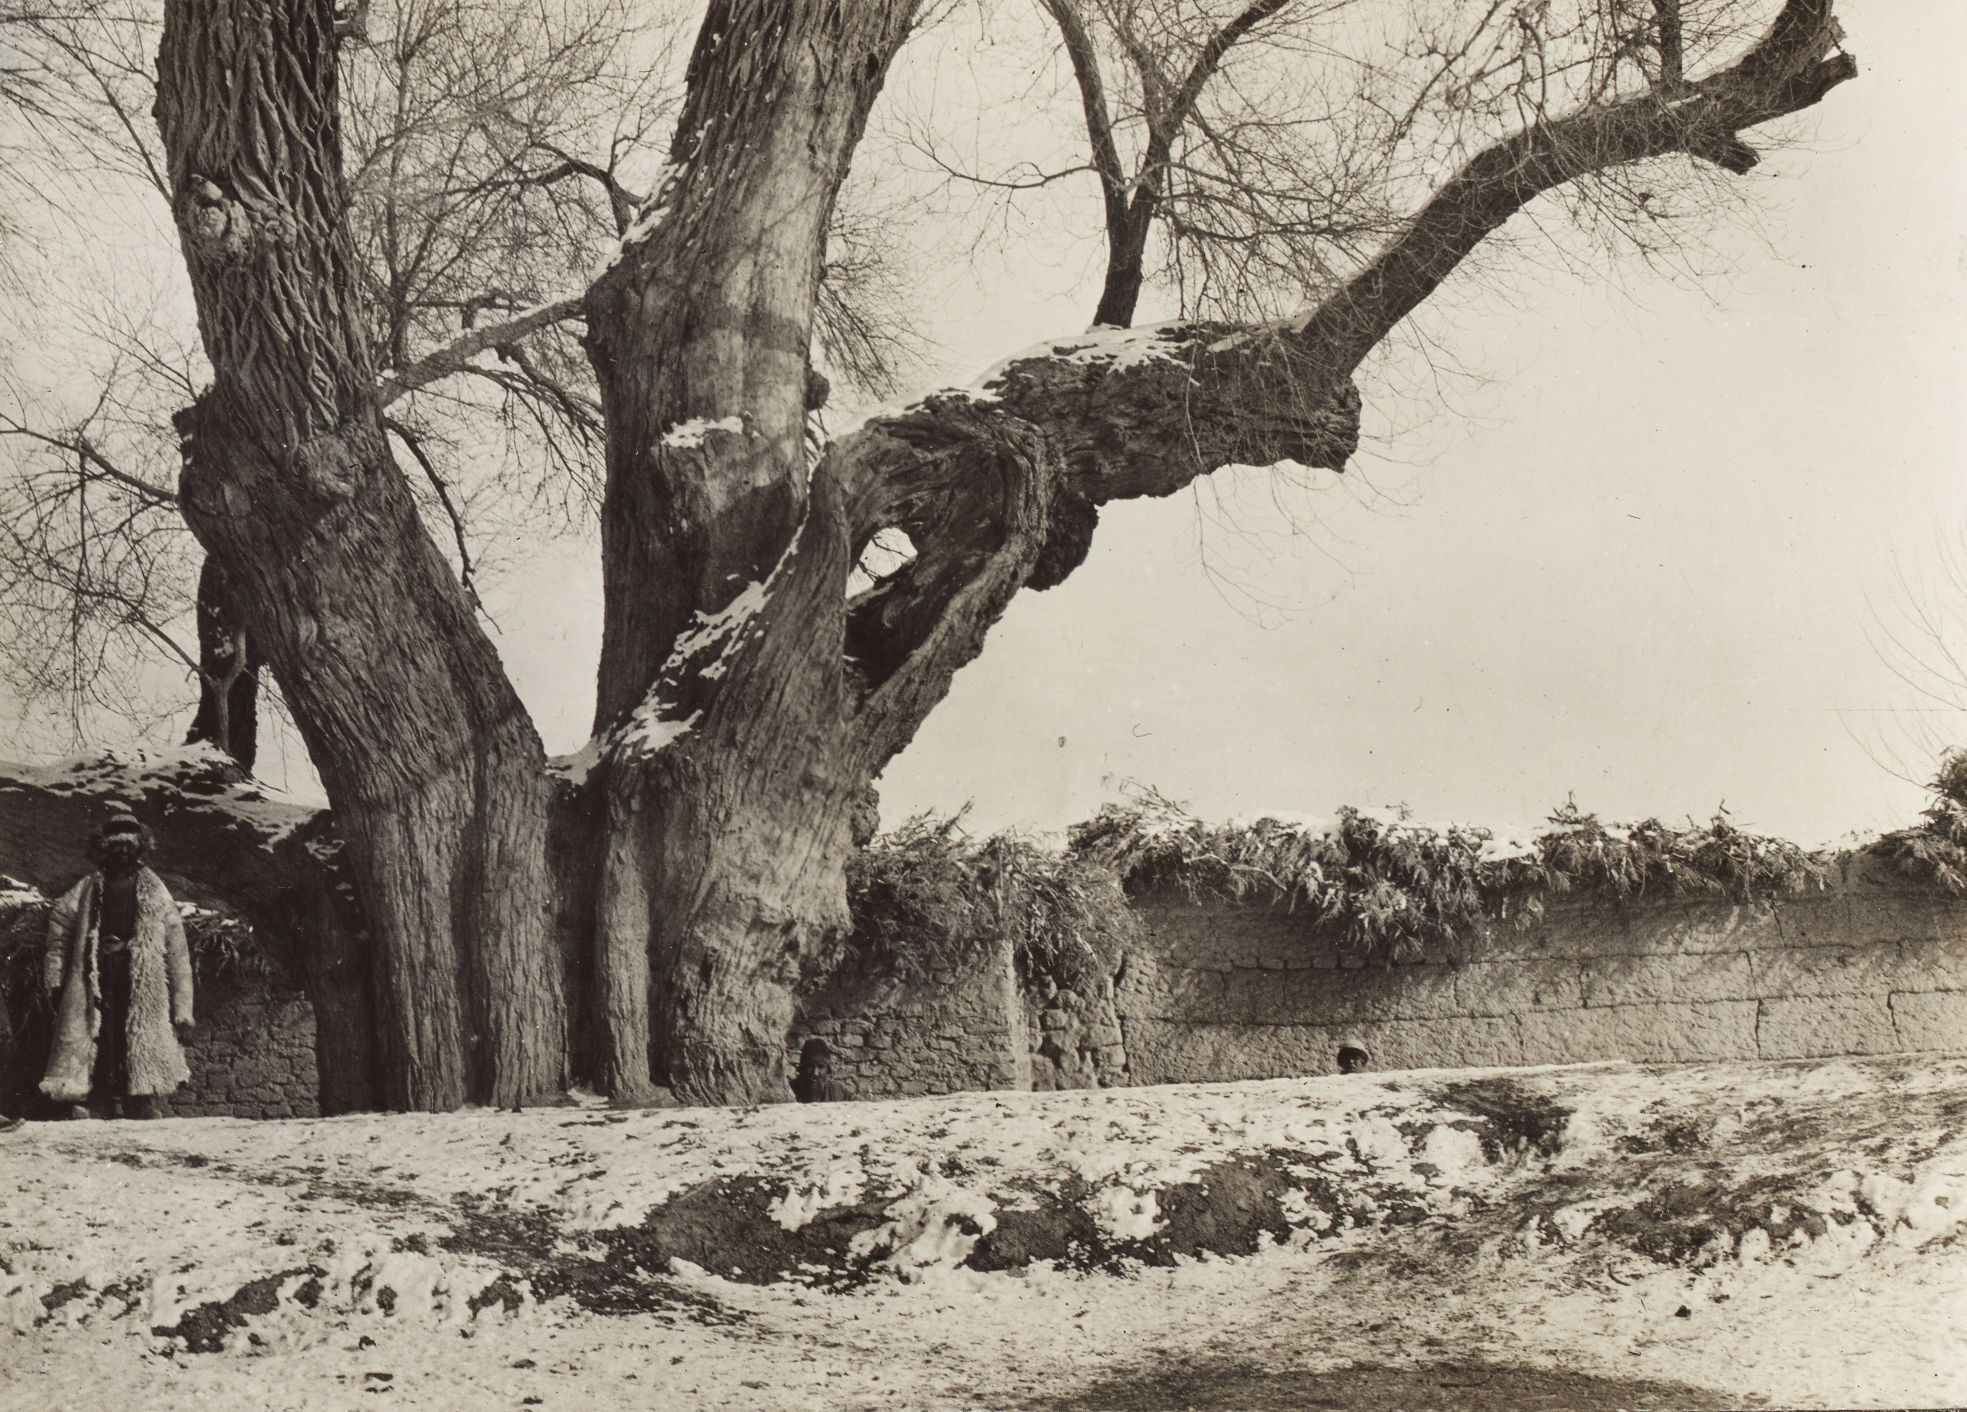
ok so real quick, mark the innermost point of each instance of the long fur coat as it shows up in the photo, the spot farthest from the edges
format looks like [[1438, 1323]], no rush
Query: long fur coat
[[160, 990]]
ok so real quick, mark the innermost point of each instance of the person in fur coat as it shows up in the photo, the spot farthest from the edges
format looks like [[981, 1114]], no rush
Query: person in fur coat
[[120, 971]]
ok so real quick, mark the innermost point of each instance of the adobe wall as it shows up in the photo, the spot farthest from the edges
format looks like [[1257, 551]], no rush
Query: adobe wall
[[891, 1037], [894, 1036], [1875, 963], [252, 1055]]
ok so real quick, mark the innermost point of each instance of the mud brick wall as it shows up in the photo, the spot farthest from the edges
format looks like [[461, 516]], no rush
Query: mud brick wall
[[252, 1055], [897, 1036], [1875, 963], [1073, 1035]]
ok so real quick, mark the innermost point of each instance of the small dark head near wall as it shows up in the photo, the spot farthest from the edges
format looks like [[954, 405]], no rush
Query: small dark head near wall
[[814, 1083], [1353, 1059], [121, 838]]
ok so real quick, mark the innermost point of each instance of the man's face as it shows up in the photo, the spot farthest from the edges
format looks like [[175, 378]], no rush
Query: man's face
[[119, 850]]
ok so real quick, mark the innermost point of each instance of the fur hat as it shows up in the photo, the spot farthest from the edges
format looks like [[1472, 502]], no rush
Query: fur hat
[[121, 820], [121, 824]]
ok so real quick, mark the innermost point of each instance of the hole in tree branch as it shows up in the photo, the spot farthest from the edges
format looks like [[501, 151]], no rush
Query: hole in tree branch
[[887, 551]]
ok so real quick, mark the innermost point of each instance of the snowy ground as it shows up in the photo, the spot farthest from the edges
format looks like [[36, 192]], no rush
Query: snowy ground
[[1604, 1235]]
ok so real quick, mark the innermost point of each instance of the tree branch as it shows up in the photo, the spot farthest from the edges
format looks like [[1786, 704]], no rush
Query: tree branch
[[143, 620], [998, 487], [86, 451], [1204, 68], [1667, 13], [1127, 237], [972, 486], [455, 356], [1099, 122], [1786, 72], [622, 203], [1042, 179]]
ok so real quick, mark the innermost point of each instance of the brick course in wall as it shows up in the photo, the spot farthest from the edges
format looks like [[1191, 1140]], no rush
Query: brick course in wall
[[1874, 963]]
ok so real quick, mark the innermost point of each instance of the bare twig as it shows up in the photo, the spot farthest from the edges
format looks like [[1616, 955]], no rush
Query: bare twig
[[443, 489], [88, 456]]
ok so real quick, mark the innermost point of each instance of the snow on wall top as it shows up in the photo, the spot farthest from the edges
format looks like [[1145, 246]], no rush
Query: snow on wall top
[[202, 776]]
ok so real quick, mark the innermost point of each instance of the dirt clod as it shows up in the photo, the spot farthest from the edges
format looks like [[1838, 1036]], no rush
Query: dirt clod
[[204, 1328], [1516, 1120]]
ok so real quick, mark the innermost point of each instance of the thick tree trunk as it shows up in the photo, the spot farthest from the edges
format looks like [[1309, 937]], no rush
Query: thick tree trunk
[[726, 808], [434, 770], [749, 814]]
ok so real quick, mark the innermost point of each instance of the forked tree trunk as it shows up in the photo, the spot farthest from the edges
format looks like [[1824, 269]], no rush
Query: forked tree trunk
[[434, 770], [745, 702]]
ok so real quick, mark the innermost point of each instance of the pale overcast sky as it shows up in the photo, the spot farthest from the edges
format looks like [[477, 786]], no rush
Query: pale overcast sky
[[1642, 561]]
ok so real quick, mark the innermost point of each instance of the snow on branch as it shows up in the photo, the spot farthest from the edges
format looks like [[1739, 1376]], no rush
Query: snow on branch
[[456, 355]]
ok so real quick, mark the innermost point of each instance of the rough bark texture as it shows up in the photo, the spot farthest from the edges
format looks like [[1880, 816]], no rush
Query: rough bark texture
[[342, 971], [434, 770]]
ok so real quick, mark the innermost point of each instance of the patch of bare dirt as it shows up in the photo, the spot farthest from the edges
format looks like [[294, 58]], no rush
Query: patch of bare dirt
[[1516, 1121], [1672, 1223], [608, 1274], [1475, 1387], [204, 1328]]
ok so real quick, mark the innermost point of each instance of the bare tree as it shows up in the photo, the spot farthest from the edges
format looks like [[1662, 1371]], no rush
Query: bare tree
[[1248, 153], [470, 212], [493, 162], [743, 720], [749, 687]]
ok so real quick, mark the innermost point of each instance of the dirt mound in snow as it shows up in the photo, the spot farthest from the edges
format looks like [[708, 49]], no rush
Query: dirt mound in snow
[[754, 1229], [1413, 1172], [733, 1227]]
